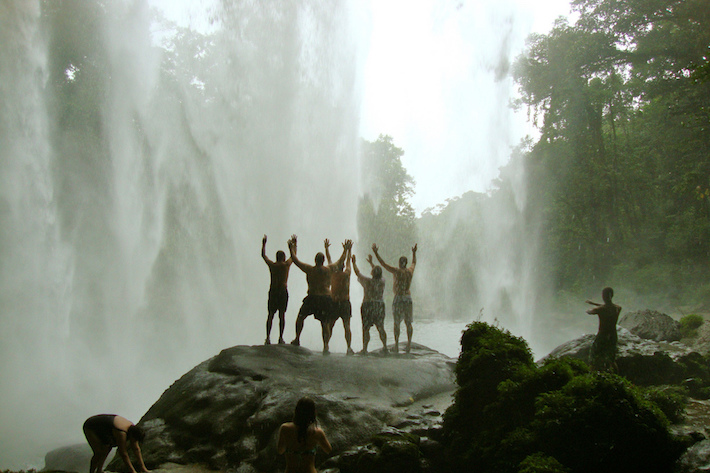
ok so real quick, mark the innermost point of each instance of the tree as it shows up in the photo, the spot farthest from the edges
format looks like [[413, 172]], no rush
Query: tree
[[385, 215]]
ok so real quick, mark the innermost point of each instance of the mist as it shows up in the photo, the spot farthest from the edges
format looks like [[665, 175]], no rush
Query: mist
[[141, 163]]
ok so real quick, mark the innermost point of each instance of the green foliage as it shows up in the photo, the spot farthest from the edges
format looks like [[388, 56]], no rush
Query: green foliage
[[510, 415], [690, 324], [541, 463], [620, 172], [671, 400], [385, 215]]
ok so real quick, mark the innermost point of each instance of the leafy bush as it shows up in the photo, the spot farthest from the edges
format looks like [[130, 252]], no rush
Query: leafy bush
[[672, 401], [690, 324], [510, 415]]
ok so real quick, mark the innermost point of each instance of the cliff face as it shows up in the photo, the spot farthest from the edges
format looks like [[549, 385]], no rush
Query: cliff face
[[225, 412]]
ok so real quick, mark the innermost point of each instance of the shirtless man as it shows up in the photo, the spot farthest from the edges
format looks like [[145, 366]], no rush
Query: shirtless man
[[278, 291], [603, 355], [402, 303], [318, 301], [372, 309], [340, 293]]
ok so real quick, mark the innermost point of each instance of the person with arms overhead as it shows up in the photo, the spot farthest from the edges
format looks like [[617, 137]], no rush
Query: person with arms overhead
[[105, 431], [278, 290], [402, 309], [301, 438], [318, 301], [340, 292], [372, 309], [603, 355]]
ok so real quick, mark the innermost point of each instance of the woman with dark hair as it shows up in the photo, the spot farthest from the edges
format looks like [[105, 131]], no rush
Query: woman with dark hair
[[105, 431], [300, 439]]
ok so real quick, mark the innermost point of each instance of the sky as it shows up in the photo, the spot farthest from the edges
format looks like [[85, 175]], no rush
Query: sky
[[430, 83]]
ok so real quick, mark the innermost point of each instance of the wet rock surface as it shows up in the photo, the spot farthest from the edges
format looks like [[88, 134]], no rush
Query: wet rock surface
[[651, 325], [225, 413]]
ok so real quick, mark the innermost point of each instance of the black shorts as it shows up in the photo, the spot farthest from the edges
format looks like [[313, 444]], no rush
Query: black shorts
[[342, 310], [373, 313], [102, 426], [321, 307], [278, 299]]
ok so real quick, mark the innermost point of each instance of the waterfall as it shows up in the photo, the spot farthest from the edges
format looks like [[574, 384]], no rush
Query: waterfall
[[137, 181]]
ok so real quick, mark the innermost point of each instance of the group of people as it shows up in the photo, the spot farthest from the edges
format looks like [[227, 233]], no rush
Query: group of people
[[298, 440], [328, 297]]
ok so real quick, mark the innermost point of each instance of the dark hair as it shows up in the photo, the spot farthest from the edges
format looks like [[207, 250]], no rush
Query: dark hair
[[280, 256], [607, 294], [136, 433], [377, 272], [303, 416], [403, 262], [320, 257]]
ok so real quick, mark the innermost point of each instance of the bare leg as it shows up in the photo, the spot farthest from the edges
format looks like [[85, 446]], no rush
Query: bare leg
[[383, 337], [326, 329], [348, 335], [100, 450], [299, 328], [365, 339], [396, 334], [269, 323], [410, 330], [282, 324]]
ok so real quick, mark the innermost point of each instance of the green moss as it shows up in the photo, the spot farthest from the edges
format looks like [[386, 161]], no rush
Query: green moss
[[541, 463], [690, 324]]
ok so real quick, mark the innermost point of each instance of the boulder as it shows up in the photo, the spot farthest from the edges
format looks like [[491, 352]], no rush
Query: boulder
[[225, 413], [651, 325], [643, 362], [70, 458]]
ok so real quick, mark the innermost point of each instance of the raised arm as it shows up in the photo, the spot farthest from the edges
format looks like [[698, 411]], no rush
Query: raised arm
[[369, 260], [414, 257], [263, 251], [347, 245], [382, 262], [292, 247], [347, 259], [326, 243], [357, 271]]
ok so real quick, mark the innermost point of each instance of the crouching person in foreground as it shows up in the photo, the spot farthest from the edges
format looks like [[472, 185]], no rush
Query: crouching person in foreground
[[105, 431]]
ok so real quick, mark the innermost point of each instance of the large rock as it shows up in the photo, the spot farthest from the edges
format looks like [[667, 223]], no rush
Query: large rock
[[651, 325], [75, 457], [225, 412], [644, 362]]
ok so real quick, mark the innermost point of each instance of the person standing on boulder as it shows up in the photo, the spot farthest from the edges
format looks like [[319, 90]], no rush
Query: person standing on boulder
[[603, 355], [105, 431], [278, 290], [372, 309], [402, 304], [318, 301], [340, 293], [300, 439]]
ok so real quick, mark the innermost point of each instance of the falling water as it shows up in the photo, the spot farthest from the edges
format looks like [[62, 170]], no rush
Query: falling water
[[137, 182]]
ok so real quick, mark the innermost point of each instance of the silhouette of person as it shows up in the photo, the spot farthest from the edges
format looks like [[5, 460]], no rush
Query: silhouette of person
[[402, 303], [603, 355], [372, 309], [105, 431], [340, 292], [318, 301], [300, 439], [278, 290]]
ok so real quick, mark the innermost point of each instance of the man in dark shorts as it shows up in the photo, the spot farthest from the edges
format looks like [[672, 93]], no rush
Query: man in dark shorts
[[318, 301], [105, 431], [603, 355], [402, 309], [278, 290], [340, 293], [372, 309]]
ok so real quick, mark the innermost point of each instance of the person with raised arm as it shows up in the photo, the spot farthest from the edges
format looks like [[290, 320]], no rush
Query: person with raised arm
[[402, 309], [603, 354], [372, 309], [340, 293], [278, 290], [318, 301]]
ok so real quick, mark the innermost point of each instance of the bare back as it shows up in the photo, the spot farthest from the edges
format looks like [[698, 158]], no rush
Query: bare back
[[279, 273], [340, 285], [301, 456], [402, 280], [318, 279], [608, 316]]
